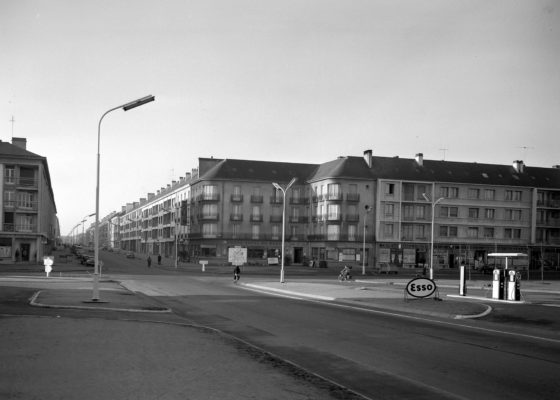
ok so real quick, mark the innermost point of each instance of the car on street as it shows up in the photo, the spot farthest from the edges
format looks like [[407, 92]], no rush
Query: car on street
[[130, 254]]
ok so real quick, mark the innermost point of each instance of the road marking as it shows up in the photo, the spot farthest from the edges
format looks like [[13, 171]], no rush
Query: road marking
[[394, 314]]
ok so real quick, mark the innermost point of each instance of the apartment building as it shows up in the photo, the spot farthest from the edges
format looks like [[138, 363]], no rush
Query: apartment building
[[28, 220], [364, 210]]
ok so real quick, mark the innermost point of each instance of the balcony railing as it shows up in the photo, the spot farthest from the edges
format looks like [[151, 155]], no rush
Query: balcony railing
[[236, 217], [334, 196], [208, 197], [236, 198], [23, 182], [208, 217], [20, 228], [256, 199], [355, 197], [276, 218], [276, 200], [299, 200], [256, 218]]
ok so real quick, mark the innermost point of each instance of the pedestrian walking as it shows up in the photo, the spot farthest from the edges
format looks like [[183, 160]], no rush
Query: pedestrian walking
[[149, 259], [236, 274], [159, 259]]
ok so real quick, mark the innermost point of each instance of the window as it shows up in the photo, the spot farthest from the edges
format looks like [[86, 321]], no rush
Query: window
[[488, 232], [389, 210], [510, 233], [489, 194], [255, 231], [352, 229], [513, 195], [421, 212], [333, 191], [9, 174], [473, 213], [448, 231], [407, 231], [420, 231], [388, 230], [514, 215], [210, 192], [389, 189], [443, 192], [256, 214], [474, 193], [209, 230], [210, 211], [333, 212], [9, 198], [408, 212], [408, 191], [235, 230], [275, 232], [473, 232], [448, 212], [420, 190], [333, 232], [489, 213], [453, 192]]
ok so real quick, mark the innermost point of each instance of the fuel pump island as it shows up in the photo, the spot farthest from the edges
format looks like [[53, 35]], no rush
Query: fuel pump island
[[506, 283]]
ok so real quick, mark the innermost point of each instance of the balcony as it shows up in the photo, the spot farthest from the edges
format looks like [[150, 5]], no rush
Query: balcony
[[334, 197], [256, 218], [352, 217], [208, 197], [276, 200], [22, 182], [299, 220], [236, 217], [208, 217], [236, 198], [353, 197], [299, 200], [256, 199], [275, 218], [20, 228], [548, 203]]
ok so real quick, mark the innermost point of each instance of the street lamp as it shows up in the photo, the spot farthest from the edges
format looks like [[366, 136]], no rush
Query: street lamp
[[278, 187], [368, 209], [125, 107], [84, 220], [432, 236]]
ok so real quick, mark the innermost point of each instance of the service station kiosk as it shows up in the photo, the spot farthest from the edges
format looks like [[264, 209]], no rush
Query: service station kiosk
[[506, 283]]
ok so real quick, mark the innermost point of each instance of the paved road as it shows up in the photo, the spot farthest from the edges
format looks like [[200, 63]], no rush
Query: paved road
[[378, 354]]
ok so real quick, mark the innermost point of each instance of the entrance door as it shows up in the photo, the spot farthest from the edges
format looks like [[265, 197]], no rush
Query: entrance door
[[25, 247], [298, 255]]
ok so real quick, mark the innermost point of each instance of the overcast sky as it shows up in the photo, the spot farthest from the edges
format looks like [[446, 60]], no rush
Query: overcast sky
[[296, 81]]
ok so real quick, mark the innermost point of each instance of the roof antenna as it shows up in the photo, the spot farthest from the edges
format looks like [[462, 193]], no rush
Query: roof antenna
[[525, 148], [444, 150], [12, 121]]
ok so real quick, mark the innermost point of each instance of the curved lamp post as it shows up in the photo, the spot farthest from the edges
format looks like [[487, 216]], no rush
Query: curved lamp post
[[125, 107], [428, 198], [277, 186]]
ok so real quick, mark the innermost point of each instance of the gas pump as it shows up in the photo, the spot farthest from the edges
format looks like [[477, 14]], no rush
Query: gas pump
[[513, 286], [497, 284]]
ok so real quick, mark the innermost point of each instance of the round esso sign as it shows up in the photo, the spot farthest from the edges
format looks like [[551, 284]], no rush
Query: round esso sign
[[421, 287]]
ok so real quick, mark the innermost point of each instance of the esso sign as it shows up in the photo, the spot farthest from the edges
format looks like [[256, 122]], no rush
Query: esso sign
[[421, 287]]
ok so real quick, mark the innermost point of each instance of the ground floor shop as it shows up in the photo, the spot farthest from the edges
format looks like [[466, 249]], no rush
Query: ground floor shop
[[25, 249]]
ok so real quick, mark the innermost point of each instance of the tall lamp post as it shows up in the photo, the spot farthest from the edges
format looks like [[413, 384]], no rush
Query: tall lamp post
[[125, 107], [368, 209], [84, 220], [277, 186], [428, 198]]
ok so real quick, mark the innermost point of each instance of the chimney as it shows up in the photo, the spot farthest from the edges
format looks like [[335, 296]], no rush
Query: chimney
[[518, 166], [151, 196], [188, 176], [556, 166], [142, 201], [20, 142], [368, 157], [420, 159]]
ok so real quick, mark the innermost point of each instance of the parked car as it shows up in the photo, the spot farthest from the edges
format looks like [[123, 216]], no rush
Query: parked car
[[90, 261], [130, 254]]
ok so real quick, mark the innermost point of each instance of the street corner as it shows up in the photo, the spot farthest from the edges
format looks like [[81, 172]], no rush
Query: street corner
[[108, 300]]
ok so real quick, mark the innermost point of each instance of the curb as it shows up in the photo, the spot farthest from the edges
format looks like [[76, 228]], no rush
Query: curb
[[33, 302]]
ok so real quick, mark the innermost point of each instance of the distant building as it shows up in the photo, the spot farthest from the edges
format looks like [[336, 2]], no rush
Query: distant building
[[29, 225], [350, 209]]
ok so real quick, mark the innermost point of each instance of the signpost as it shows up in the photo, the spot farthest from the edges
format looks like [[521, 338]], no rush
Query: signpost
[[421, 287], [48, 262]]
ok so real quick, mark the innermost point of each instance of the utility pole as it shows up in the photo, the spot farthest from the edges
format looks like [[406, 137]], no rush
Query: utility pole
[[13, 122]]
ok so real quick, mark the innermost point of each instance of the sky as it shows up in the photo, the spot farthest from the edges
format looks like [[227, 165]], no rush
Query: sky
[[292, 80]]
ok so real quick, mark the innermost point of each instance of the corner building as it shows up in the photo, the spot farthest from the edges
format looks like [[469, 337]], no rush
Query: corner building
[[380, 208]]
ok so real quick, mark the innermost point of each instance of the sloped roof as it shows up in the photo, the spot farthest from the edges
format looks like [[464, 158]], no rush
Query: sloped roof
[[250, 170], [10, 150], [396, 168], [462, 172], [342, 167]]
